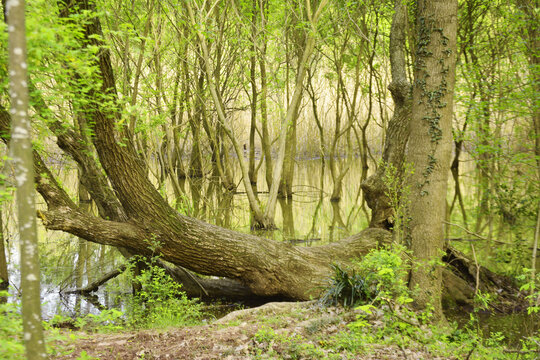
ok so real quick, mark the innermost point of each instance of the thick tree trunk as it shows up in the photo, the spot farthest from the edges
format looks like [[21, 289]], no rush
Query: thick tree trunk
[[430, 146], [267, 268]]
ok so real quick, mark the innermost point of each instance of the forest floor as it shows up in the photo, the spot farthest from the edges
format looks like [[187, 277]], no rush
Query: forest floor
[[273, 331]]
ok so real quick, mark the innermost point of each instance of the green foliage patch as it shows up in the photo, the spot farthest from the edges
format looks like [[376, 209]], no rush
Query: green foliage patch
[[383, 318], [160, 302], [379, 276], [11, 346], [11, 331]]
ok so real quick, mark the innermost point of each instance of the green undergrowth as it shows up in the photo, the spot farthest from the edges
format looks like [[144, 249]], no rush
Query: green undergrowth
[[375, 319], [11, 330], [159, 303], [11, 346], [364, 311]]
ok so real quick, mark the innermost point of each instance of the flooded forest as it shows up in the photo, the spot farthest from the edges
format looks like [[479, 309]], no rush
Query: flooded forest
[[308, 179]]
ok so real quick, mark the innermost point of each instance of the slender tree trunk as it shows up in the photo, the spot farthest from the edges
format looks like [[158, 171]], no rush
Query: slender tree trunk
[[288, 218], [531, 36], [289, 162], [485, 161], [4, 276], [21, 150], [195, 163], [313, 96], [82, 252], [265, 138], [430, 146], [292, 110], [535, 248], [334, 152], [252, 171], [363, 144], [454, 168]]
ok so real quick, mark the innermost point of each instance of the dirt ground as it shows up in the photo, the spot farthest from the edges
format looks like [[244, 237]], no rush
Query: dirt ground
[[231, 337]]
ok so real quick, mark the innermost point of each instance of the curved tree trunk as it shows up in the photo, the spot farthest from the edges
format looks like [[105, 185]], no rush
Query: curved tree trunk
[[397, 135]]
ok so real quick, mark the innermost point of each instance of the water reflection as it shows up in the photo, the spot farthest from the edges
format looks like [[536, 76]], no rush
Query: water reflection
[[309, 214]]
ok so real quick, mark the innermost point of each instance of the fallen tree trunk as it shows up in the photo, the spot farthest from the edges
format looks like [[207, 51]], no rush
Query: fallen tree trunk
[[266, 267], [193, 285]]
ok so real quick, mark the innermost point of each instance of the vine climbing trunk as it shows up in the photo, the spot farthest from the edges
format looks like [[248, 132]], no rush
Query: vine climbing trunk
[[430, 146]]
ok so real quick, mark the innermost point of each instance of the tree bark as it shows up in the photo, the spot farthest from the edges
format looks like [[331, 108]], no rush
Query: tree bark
[[21, 150], [265, 135], [397, 135], [430, 146], [252, 172]]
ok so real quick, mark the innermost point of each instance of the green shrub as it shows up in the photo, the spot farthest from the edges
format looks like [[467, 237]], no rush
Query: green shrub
[[11, 345], [379, 275], [160, 302], [347, 288], [107, 320], [385, 271]]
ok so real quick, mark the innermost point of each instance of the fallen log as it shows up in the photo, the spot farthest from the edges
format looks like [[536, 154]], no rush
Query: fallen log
[[94, 285]]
